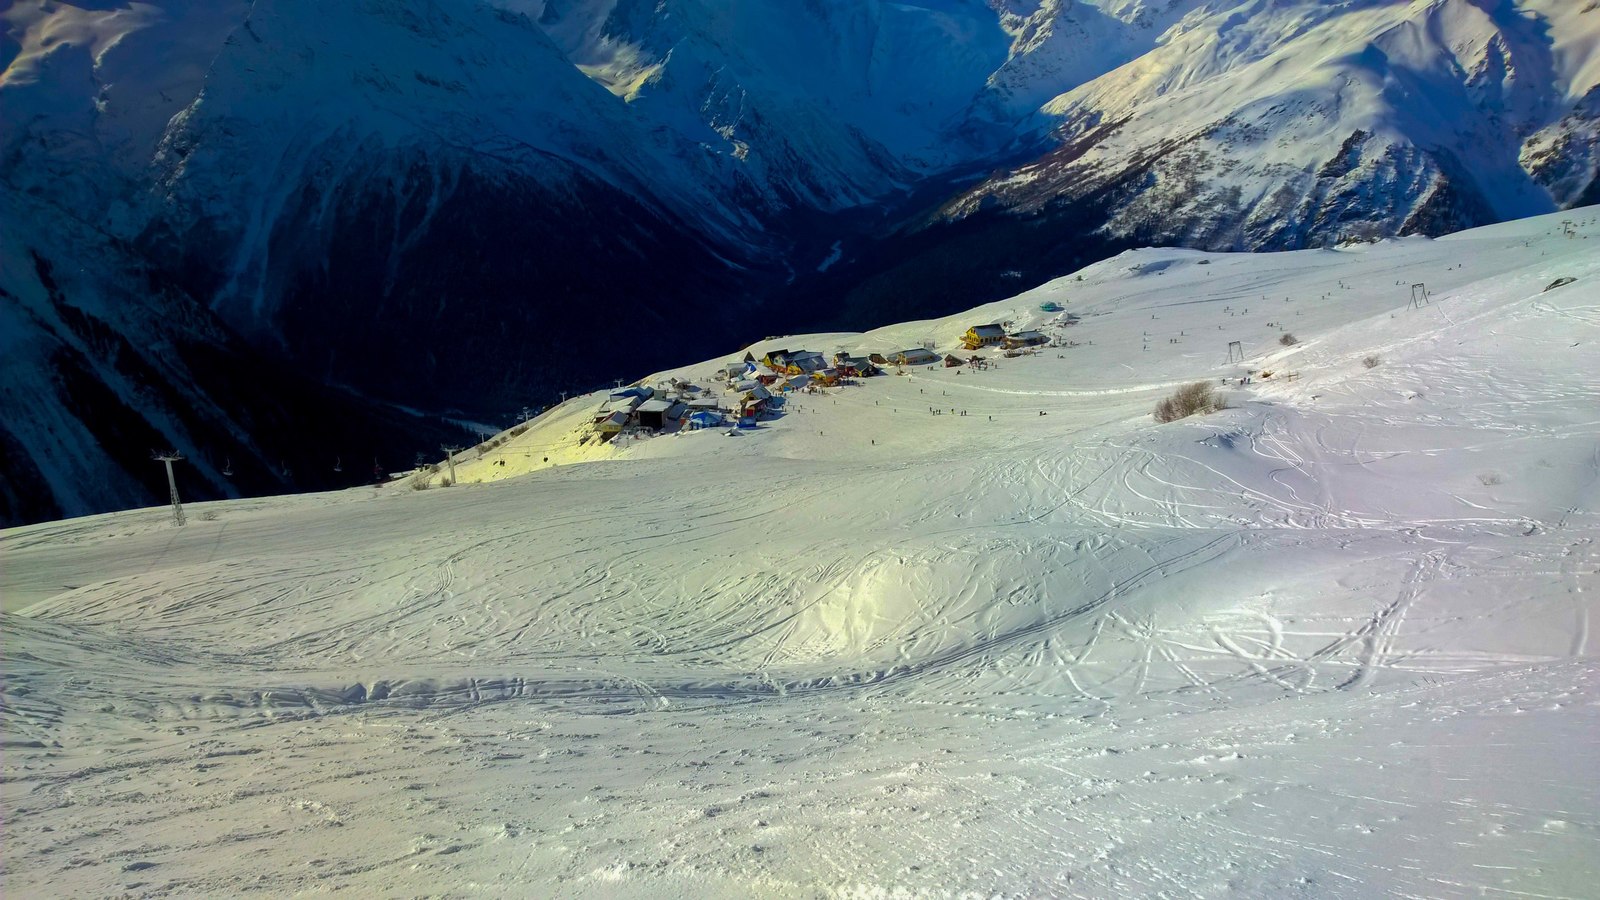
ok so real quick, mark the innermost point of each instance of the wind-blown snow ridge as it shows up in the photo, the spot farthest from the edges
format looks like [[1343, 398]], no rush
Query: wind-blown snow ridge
[[1336, 638]]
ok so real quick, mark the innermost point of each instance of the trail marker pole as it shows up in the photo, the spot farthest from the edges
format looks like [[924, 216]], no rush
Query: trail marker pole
[[172, 483]]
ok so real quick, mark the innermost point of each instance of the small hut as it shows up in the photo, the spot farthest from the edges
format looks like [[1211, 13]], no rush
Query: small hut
[[1025, 339], [702, 418]]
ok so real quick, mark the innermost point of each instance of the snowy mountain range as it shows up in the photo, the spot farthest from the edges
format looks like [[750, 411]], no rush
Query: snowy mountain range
[[463, 206], [1278, 125]]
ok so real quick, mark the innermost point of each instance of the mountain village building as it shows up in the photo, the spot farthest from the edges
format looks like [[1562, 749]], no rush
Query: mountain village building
[[1025, 339], [983, 336], [916, 356]]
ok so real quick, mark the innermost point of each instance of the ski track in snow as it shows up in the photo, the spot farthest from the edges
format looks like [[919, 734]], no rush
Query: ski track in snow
[[1334, 640]]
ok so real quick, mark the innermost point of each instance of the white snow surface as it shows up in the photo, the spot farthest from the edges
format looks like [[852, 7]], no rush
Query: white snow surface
[[1333, 641]]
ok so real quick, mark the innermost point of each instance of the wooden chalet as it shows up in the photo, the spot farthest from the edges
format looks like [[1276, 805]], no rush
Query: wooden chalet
[[804, 362], [983, 336], [916, 356], [776, 360], [754, 402], [854, 366]]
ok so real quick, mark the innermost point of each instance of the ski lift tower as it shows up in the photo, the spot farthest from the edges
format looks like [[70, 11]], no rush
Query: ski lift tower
[[1235, 351], [168, 459], [1419, 296], [450, 451]]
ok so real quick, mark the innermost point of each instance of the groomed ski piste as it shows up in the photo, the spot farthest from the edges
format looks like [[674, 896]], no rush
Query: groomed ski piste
[[1336, 640]]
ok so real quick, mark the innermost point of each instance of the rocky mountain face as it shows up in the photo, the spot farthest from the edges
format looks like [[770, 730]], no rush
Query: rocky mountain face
[[414, 211], [1278, 125], [104, 359]]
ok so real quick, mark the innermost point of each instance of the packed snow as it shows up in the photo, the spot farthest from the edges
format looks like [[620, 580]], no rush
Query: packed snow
[[952, 631]]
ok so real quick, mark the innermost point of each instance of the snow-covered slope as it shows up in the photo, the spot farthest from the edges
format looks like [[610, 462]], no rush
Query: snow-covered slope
[[829, 105], [1336, 639], [423, 202], [1224, 124], [726, 115], [1279, 125], [390, 197], [104, 360]]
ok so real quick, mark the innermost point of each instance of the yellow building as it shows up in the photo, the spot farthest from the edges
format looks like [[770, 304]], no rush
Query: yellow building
[[983, 336]]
